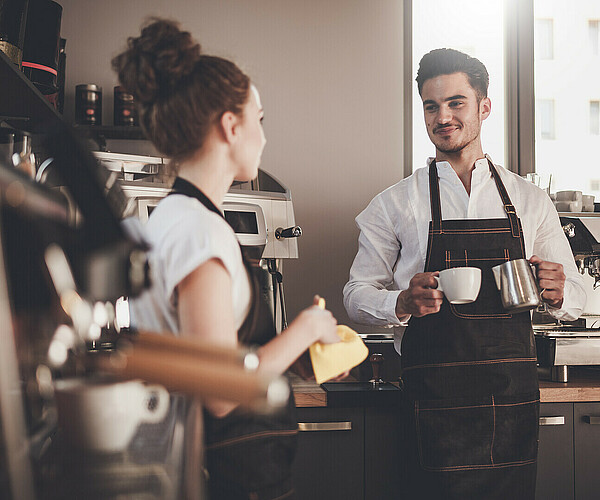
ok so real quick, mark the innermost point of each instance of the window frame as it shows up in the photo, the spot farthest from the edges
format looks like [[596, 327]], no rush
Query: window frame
[[519, 133]]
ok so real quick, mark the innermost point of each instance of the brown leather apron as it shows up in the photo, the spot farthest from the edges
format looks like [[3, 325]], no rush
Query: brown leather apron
[[248, 455], [469, 372]]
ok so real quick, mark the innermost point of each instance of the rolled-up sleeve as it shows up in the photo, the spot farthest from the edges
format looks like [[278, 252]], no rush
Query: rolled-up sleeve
[[552, 245], [369, 295]]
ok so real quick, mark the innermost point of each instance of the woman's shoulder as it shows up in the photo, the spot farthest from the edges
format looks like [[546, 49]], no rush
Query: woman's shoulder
[[184, 211], [178, 218]]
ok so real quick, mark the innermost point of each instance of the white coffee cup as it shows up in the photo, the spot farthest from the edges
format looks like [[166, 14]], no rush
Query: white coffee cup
[[460, 284], [103, 416]]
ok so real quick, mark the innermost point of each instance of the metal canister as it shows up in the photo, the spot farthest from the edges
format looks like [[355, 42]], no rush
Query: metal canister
[[13, 15], [124, 108], [88, 104], [42, 45]]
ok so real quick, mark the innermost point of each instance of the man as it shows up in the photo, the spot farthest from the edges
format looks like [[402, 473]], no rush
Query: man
[[469, 371]]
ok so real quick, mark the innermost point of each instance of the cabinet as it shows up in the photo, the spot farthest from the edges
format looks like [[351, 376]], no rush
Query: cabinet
[[348, 453], [353, 453], [587, 450], [330, 459], [555, 470], [569, 452], [382, 453]]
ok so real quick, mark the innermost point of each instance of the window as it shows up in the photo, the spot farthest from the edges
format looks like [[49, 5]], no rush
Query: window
[[544, 38], [595, 117], [475, 27], [545, 118], [594, 30], [566, 91]]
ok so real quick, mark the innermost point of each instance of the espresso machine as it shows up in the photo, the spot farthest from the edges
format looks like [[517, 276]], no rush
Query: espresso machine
[[561, 345]]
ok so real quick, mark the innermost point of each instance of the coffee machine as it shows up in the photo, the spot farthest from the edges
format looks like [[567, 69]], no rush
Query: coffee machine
[[561, 345]]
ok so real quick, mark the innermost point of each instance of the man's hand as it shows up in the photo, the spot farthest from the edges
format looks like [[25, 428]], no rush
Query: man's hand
[[421, 297], [551, 279]]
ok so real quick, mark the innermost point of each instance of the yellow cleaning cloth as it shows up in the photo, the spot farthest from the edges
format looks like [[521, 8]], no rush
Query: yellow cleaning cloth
[[331, 360]]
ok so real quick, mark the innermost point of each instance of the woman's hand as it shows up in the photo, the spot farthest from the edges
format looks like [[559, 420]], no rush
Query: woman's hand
[[313, 324], [320, 322]]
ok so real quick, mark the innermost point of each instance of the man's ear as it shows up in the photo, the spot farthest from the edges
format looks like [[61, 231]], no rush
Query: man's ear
[[485, 108], [228, 125]]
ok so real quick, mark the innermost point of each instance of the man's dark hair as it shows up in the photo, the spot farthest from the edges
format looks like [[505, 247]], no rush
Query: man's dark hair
[[447, 61]]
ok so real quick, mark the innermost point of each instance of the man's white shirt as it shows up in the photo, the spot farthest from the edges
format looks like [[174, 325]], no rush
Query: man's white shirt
[[394, 229]]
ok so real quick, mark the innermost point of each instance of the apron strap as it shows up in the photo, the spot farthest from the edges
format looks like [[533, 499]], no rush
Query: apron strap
[[434, 198], [509, 208], [436, 207]]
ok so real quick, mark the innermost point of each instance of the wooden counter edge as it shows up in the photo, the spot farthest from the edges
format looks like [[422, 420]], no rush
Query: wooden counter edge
[[310, 399], [577, 391], [583, 391], [307, 393]]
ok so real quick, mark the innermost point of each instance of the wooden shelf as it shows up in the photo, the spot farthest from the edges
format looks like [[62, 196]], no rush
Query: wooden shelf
[[22, 105]]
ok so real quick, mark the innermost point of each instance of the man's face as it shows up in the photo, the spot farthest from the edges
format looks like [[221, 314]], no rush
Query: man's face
[[453, 116]]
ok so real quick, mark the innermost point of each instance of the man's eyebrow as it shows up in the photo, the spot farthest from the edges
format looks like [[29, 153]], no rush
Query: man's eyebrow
[[452, 98]]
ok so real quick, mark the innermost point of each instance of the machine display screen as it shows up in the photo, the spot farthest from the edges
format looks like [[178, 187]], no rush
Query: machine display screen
[[242, 222]]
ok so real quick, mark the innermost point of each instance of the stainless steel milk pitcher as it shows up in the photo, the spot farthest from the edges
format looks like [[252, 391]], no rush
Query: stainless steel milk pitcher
[[517, 284]]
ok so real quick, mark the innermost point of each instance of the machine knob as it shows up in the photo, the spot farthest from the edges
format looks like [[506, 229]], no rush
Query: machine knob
[[569, 229], [376, 360], [290, 232]]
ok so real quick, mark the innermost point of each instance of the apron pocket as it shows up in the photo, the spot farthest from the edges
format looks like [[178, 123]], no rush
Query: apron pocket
[[474, 257], [477, 433], [516, 429], [454, 434]]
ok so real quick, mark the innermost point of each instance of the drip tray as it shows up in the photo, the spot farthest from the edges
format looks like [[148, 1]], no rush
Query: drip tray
[[349, 394]]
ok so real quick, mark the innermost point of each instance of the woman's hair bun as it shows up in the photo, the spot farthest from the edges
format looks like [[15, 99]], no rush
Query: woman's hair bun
[[156, 61]]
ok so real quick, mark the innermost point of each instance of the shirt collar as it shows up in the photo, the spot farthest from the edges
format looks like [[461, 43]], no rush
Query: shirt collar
[[480, 164]]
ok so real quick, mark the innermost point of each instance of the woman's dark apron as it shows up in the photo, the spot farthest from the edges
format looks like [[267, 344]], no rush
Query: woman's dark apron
[[248, 455], [469, 372]]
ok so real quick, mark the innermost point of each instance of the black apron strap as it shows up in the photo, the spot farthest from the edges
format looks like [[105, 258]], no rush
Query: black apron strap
[[434, 198], [436, 208], [508, 206], [181, 186]]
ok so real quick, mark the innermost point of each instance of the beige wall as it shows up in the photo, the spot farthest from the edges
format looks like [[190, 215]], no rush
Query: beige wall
[[330, 76]]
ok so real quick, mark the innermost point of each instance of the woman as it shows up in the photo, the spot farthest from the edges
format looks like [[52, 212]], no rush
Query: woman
[[203, 113]]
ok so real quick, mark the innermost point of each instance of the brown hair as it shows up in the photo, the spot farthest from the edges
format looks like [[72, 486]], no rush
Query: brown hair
[[180, 92], [448, 61]]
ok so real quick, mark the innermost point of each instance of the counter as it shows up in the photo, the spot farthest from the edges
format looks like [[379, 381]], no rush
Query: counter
[[365, 435], [583, 386]]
